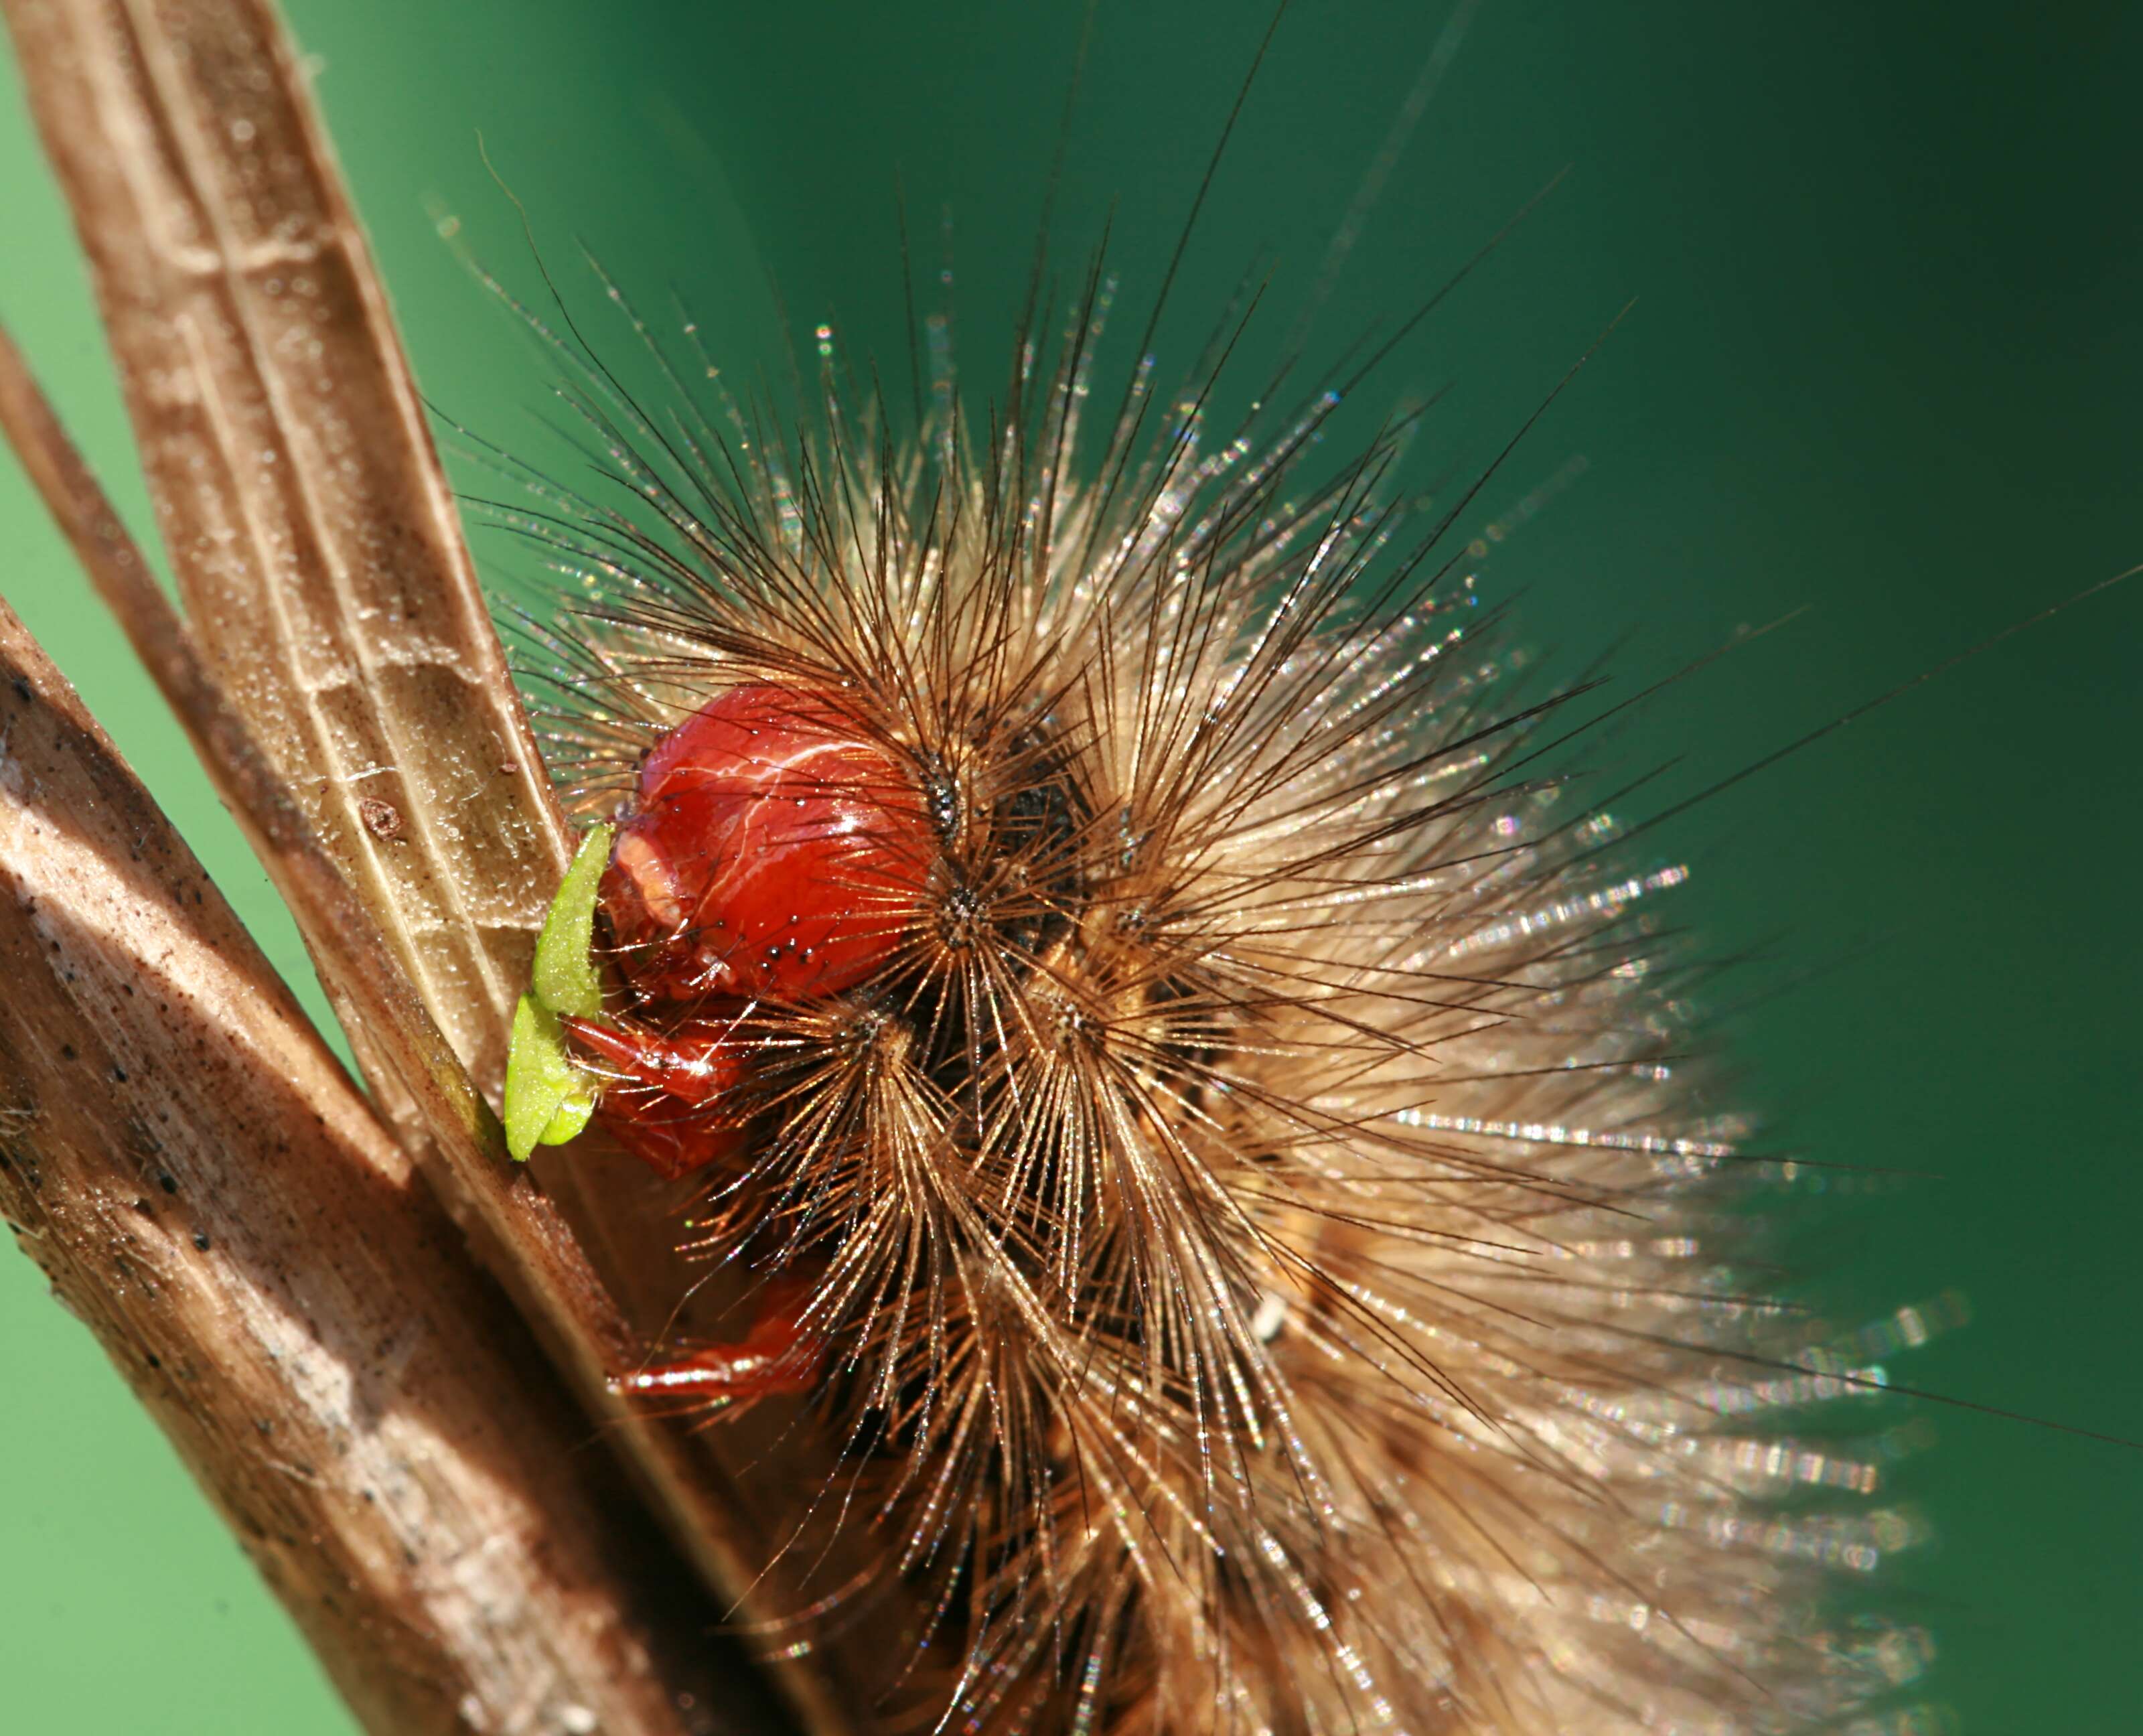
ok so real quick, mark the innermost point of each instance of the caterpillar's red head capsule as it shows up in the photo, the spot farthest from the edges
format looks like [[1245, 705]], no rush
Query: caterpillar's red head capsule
[[772, 852]]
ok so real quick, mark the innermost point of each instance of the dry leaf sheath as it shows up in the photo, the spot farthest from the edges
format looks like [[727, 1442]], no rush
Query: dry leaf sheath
[[208, 1192]]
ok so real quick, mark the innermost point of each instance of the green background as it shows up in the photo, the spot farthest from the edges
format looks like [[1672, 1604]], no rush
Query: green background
[[1884, 366]]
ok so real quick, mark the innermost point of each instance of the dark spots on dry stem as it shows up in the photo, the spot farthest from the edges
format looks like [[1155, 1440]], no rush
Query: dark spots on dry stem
[[382, 819]]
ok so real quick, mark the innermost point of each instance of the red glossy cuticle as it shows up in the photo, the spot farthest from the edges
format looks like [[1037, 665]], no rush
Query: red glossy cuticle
[[776, 1355], [697, 1066], [668, 1126], [774, 852]]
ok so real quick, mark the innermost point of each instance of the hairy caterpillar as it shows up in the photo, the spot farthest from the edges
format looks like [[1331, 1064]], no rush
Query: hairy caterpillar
[[1098, 1099], [1187, 1080], [1819, 789]]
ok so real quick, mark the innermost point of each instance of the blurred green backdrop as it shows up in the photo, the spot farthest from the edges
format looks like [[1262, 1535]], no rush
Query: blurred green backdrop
[[1884, 365]]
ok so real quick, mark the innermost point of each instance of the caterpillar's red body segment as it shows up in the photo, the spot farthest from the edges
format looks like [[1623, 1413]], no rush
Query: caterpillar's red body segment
[[773, 852]]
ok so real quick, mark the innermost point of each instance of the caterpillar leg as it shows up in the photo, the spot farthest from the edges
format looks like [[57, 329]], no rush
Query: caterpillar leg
[[663, 1105], [776, 1355]]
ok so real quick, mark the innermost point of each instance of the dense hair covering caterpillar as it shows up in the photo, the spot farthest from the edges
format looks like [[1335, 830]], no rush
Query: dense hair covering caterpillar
[[1102, 909]]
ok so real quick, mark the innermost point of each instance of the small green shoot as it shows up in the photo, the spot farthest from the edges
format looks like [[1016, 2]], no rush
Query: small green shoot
[[548, 1097], [565, 975], [548, 1100]]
